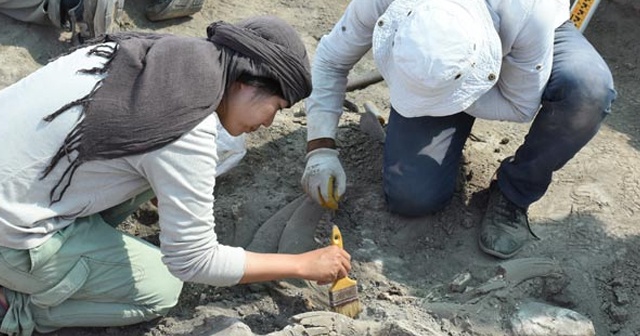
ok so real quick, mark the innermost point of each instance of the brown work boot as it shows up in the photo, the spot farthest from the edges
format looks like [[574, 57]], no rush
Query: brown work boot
[[505, 226], [170, 9]]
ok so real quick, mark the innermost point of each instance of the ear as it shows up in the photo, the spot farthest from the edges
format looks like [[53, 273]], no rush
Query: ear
[[242, 86], [240, 89], [229, 94], [236, 87]]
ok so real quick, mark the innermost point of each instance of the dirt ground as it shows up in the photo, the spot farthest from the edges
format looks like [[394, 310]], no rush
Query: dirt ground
[[587, 222]]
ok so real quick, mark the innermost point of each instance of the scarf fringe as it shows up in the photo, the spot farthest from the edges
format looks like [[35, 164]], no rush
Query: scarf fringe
[[68, 175], [84, 101], [105, 51], [73, 139]]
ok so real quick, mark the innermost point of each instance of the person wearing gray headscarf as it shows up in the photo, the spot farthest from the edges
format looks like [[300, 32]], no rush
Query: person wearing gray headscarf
[[95, 133]]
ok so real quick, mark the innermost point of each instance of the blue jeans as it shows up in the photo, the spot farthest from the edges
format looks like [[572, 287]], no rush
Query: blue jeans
[[422, 155]]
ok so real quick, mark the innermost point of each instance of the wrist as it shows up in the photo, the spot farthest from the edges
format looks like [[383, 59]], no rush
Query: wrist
[[321, 143], [301, 267], [322, 124], [322, 153], [272, 266]]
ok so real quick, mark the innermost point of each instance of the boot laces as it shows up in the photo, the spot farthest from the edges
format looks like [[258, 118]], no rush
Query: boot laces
[[512, 213]]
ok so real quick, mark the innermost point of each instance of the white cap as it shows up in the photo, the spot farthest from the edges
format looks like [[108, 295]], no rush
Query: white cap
[[437, 56]]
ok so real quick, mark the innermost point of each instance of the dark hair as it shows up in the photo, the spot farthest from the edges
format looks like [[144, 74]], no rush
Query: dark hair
[[265, 85]]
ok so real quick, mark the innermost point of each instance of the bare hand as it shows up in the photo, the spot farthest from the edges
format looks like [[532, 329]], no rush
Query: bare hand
[[325, 265]]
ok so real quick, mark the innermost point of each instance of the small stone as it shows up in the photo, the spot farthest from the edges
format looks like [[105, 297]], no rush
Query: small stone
[[376, 313], [459, 283], [384, 296], [618, 314], [622, 297], [398, 328], [504, 141], [394, 290], [617, 282]]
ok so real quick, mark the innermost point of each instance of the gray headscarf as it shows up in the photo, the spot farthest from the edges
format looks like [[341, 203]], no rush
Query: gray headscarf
[[160, 86]]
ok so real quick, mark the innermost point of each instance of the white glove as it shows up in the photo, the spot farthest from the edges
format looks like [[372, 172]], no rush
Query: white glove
[[324, 178]]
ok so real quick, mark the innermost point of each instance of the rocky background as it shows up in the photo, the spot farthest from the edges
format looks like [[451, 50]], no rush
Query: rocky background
[[422, 276]]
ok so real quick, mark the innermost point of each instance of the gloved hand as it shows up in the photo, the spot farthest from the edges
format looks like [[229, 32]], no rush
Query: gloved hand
[[324, 179]]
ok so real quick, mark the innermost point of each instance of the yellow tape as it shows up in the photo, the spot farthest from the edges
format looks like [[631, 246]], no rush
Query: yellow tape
[[580, 11]]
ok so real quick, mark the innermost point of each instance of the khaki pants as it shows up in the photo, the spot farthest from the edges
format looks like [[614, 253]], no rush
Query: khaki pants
[[33, 11], [88, 274]]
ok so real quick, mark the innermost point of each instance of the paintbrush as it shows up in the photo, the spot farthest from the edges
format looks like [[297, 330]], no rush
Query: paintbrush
[[343, 294]]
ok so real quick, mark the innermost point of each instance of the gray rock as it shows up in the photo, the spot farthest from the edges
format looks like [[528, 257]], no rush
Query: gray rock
[[371, 122], [539, 319], [226, 326]]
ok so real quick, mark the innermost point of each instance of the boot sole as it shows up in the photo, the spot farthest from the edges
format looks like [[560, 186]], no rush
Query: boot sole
[[496, 253], [173, 9]]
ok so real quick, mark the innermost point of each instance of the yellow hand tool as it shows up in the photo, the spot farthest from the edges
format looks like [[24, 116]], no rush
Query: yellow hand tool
[[332, 202], [343, 294]]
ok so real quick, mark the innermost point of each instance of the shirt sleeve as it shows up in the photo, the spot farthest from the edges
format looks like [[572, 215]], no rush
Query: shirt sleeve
[[525, 71], [182, 175], [335, 56]]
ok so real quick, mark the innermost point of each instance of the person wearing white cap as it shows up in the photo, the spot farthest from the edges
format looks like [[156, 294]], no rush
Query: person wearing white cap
[[447, 62]]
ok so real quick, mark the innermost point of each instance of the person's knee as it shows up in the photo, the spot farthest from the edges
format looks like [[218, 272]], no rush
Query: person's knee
[[164, 297], [585, 96], [416, 200], [591, 88]]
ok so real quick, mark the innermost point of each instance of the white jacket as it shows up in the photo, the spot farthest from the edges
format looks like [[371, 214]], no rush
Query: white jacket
[[526, 29]]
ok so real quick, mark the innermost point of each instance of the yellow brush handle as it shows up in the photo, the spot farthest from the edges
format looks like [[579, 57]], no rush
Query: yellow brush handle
[[336, 237], [332, 202]]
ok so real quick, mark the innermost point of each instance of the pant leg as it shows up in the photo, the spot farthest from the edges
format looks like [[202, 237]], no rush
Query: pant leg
[[33, 11], [88, 274], [421, 161], [576, 100]]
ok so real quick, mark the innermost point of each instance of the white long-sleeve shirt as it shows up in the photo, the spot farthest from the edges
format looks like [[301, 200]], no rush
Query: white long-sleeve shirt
[[526, 30], [182, 175]]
